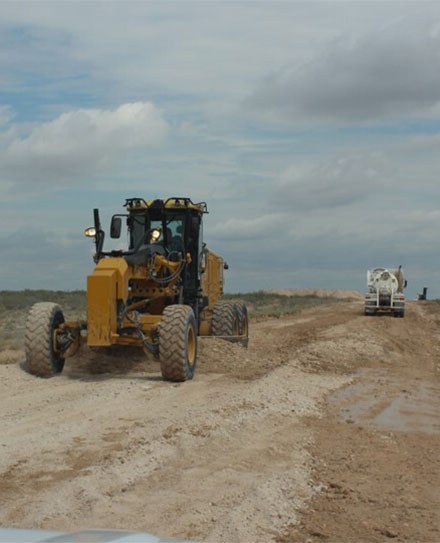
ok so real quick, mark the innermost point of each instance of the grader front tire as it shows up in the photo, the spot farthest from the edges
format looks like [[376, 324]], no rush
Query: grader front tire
[[42, 359], [225, 319], [178, 343]]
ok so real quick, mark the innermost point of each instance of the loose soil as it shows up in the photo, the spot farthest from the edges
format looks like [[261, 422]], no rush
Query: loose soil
[[325, 429]]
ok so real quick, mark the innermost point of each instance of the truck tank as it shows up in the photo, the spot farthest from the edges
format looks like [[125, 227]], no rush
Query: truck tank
[[385, 292]]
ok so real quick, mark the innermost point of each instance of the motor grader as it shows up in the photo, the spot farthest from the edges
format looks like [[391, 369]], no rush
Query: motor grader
[[159, 294]]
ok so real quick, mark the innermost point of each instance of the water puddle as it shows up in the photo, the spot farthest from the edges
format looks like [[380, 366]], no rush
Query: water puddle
[[378, 398]]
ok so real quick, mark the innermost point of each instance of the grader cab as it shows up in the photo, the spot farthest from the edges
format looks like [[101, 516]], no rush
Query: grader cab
[[160, 294]]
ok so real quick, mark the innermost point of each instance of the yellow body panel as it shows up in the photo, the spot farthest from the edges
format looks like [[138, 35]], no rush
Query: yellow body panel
[[107, 284], [212, 286], [148, 321], [212, 277], [205, 328], [101, 307], [121, 268]]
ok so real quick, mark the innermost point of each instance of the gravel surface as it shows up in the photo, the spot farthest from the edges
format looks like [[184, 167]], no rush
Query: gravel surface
[[291, 439]]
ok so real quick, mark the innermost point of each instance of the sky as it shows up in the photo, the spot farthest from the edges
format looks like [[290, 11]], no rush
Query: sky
[[312, 131]]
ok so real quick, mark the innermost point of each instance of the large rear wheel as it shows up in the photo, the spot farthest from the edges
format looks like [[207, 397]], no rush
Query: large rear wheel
[[42, 358], [225, 319], [243, 320], [178, 343]]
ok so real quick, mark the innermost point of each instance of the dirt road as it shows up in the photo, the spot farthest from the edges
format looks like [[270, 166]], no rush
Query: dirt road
[[325, 429]]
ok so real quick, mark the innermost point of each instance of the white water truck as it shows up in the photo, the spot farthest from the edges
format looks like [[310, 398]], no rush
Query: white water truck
[[385, 292]]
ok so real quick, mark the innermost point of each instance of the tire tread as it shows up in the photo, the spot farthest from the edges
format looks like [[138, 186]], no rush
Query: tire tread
[[224, 314], [172, 343], [38, 337]]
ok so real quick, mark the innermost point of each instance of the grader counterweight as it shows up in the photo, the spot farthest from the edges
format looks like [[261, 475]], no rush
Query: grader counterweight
[[159, 294]]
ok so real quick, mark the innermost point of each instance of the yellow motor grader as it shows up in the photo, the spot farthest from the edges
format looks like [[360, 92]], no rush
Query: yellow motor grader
[[159, 294]]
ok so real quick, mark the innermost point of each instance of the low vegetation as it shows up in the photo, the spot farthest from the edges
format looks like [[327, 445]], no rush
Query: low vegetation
[[14, 306], [268, 304], [24, 299]]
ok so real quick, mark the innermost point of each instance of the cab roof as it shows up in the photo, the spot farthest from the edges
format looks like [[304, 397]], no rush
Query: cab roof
[[135, 204]]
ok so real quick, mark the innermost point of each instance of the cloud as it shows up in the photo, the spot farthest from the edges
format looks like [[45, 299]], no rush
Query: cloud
[[287, 206], [337, 252], [81, 141], [41, 258], [389, 73], [6, 115], [423, 142], [247, 229], [338, 181]]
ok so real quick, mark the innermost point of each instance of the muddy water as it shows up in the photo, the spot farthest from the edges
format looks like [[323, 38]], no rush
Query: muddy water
[[398, 406]]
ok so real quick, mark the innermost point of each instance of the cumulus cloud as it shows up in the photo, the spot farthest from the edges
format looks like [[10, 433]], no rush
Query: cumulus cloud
[[390, 73], [338, 181], [80, 141]]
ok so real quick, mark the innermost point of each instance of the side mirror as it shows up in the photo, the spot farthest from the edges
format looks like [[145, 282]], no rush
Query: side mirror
[[226, 266], [115, 227], [406, 283]]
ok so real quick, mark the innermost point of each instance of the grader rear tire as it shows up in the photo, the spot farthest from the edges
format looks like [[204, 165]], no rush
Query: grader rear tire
[[178, 343], [41, 358], [225, 319], [243, 320]]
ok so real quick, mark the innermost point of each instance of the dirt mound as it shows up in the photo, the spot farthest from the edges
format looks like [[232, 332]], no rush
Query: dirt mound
[[319, 292]]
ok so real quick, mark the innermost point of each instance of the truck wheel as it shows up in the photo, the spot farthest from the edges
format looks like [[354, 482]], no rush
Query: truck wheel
[[178, 343], [41, 358], [225, 319], [243, 320]]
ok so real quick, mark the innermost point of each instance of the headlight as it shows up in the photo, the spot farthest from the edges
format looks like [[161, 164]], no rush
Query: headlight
[[90, 232], [155, 235]]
